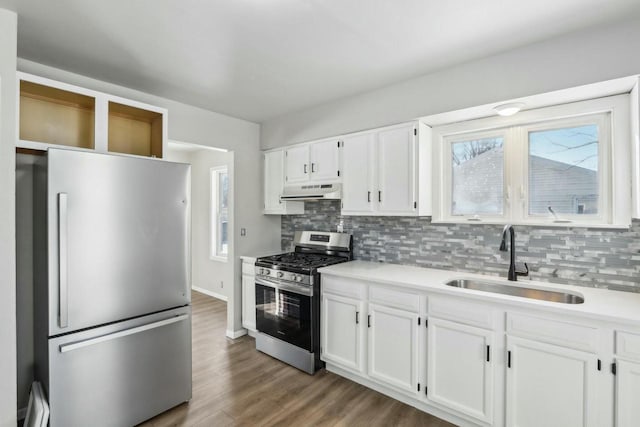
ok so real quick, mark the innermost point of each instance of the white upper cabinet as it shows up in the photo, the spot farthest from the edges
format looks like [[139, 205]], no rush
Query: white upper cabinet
[[550, 385], [315, 162], [387, 171], [396, 171], [358, 173], [325, 160], [296, 164], [274, 184]]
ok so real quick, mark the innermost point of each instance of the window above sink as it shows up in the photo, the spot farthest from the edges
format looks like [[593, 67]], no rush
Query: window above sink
[[566, 165]]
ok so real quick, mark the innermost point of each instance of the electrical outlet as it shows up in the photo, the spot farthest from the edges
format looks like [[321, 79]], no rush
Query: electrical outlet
[[243, 231]]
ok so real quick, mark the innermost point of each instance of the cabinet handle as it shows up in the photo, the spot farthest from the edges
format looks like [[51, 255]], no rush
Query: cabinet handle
[[313, 167], [379, 196], [357, 317], [305, 168], [368, 320], [369, 196], [488, 353], [509, 359]]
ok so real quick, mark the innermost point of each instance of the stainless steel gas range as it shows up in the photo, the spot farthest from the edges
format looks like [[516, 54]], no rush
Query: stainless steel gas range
[[288, 297]]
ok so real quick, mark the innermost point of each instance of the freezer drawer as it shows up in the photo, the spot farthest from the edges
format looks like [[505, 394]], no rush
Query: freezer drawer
[[121, 374]]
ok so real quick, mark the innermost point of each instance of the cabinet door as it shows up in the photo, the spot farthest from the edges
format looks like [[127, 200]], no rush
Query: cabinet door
[[273, 180], [460, 368], [357, 174], [325, 160], [248, 302], [393, 347], [397, 171], [549, 385], [341, 331], [627, 392], [297, 164]]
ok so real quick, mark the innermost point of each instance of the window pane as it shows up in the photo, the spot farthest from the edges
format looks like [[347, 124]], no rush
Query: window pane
[[223, 244], [224, 235], [563, 171], [477, 176], [224, 189]]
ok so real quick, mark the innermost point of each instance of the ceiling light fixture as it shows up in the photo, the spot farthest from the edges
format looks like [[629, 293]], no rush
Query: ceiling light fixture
[[508, 109]]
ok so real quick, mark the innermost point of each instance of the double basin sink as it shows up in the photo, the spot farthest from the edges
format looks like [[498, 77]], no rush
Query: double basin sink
[[517, 291]]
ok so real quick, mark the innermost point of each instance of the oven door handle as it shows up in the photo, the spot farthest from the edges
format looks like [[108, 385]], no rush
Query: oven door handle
[[296, 289]]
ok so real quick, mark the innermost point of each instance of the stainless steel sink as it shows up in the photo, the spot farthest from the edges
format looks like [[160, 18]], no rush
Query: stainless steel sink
[[516, 291]]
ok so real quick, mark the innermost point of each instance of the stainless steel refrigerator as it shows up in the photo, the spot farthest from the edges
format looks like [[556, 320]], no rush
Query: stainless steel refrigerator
[[111, 292]]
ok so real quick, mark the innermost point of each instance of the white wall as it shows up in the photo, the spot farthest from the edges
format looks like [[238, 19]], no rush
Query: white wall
[[213, 276], [572, 60], [8, 37]]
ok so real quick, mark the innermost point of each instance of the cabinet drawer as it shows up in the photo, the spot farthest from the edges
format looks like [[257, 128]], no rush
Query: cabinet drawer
[[342, 286], [248, 268], [394, 298], [628, 345], [461, 311], [552, 331]]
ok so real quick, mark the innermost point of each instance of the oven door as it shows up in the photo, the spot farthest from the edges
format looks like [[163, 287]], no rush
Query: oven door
[[284, 311]]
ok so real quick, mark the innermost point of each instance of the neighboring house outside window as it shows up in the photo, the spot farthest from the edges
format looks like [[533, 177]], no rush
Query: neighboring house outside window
[[219, 213]]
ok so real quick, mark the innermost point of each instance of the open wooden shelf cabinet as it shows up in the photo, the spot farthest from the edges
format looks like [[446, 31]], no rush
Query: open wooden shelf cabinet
[[54, 114]]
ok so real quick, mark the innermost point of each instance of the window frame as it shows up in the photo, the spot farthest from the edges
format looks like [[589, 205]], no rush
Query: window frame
[[603, 120], [614, 163], [447, 195], [215, 224]]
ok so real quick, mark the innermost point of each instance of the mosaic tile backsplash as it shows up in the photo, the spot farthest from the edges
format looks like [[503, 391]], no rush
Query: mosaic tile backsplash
[[577, 256]]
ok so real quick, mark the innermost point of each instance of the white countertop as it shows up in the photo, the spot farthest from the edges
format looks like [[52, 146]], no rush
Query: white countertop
[[616, 306], [252, 258]]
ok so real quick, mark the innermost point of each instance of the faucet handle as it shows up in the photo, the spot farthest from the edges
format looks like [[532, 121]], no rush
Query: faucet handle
[[522, 269]]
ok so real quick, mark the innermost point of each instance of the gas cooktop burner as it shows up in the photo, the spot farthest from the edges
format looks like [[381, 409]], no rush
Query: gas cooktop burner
[[301, 260]]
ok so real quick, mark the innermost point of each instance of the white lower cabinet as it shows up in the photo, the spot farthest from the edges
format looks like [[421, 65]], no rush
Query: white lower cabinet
[[627, 394], [393, 347], [550, 385], [341, 331], [460, 368], [248, 302], [478, 363], [248, 293]]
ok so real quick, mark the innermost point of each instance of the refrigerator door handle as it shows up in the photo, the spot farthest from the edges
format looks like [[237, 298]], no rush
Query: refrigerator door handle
[[92, 341], [63, 285]]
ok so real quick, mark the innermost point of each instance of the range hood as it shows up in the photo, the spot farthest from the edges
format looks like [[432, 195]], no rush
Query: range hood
[[312, 192]]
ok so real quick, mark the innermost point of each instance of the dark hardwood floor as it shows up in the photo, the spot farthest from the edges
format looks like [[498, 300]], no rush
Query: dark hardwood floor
[[235, 385]]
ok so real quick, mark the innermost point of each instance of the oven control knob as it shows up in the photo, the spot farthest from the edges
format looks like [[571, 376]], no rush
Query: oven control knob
[[298, 278], [280, 274]]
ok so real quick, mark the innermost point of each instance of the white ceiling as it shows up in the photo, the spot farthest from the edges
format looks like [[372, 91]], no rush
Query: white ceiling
[[257, 59]]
